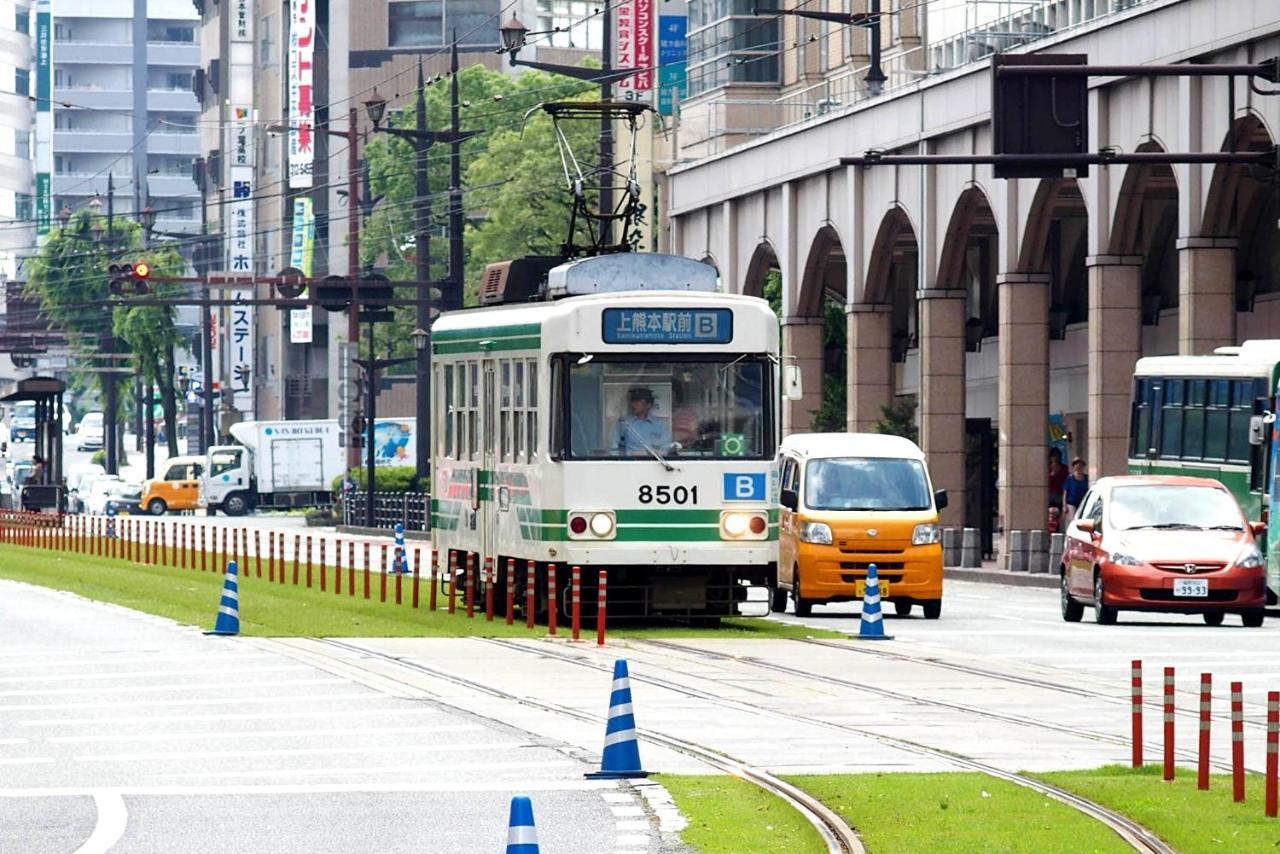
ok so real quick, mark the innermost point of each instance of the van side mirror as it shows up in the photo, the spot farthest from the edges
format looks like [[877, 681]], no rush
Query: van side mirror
[[790, 500], [792, 383], [940, 499]]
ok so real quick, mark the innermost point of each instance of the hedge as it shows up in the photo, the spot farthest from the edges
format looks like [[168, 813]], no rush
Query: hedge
[[386, 479]]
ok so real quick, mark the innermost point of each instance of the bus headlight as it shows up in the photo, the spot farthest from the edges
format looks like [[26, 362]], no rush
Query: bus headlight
[[817, 533], [926, 535], [597, 525], [737, 525]]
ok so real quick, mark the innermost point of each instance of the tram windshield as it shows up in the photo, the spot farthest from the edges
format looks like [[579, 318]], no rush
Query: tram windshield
[[710, 408]]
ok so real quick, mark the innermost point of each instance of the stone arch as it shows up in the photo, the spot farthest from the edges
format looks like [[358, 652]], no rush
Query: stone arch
[[1056, 241], [824, 273], [969, 258], [1145, 226], [763, 260], [893, 277]]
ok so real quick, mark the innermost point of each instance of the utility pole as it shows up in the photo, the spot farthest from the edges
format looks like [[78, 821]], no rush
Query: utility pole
[[149, 424], [110, 425], [206, 314], [456, 138], [422, 224], [353, 264], [606, 128]]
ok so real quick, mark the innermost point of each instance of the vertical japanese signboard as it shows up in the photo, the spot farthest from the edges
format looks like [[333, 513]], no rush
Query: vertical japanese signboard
[[635, 49], [673, 52], [44, 117], [241, 353], [238, 222], [301, 250], [302, 22]]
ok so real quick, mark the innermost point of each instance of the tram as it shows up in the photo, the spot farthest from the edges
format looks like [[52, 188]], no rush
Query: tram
[[612, 412]]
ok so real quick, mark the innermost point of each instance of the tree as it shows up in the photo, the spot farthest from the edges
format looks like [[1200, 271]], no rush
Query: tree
[[494, 104], [69, 278], [899, 418]]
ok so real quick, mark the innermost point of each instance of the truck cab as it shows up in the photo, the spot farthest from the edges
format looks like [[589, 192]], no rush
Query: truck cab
[[228, 483]]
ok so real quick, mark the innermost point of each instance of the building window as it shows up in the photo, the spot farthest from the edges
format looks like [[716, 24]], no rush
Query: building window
[[574, 23], [22, 145], [22, 21], [728, 44], [21, 81], [416, 24], [178, 81], [266, 41], [22, 206], [474, 21]]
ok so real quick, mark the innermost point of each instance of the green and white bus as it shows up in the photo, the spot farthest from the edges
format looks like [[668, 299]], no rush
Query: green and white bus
[[620, 415], [1211, 416]]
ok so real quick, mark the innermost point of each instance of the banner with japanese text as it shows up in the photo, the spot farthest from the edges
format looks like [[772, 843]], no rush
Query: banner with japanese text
[[302, 22], [635, 49], [241, 346], [301, 253], [673, 52]]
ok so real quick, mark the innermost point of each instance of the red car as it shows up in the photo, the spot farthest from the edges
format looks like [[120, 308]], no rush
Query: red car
[[1172, 544]]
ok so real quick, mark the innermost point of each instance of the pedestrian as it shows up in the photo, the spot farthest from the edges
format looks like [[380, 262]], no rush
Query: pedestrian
[[1054, 524], [1074, 489], [1057, 477], [37, 469]]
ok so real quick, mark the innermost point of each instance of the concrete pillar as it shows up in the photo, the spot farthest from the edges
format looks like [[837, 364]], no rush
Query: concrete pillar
[[942, 395], [870, 364], [1024, 403], [802, 339], [1115, 344], [1206, 294]]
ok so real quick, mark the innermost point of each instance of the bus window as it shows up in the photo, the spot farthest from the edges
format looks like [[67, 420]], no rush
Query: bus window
[[1171, 419]]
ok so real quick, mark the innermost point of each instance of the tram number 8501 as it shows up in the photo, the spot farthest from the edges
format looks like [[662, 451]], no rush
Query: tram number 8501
[[668, 494]]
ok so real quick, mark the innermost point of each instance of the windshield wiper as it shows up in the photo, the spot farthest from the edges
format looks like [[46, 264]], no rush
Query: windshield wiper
[[1224, 528], [1168, 526], [657, 456]]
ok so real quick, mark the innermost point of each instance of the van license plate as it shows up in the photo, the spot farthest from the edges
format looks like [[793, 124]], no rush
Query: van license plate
[[860, 589], [1191, 587]]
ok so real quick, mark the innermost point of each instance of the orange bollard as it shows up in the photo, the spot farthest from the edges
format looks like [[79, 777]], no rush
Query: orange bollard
[[602, 598], [271, 557], [382, 577], [308, 561], [553, 599], [530, 574], [323, 569], [1273, 750], [1206, 703], [435, 571], [297, 554], [1237, 742], [511, 591], [575, 582], [417, 560], [257, 552], [366, 571], [204, 552], [337, 568], [1168, 723], [488, 588], [351, 569], [471, 585]]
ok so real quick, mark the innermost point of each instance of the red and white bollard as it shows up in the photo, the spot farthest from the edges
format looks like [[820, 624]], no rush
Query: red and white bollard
[[1168, 723], [1237, 742], [575, 591], [452, 579], [471, 585], [1273, 750], [530, 573], [1206, 703], [553, 599], [435, 579], [488, 589], [601, 601], [417, 565], [337, 568], [257, 552], [382, 577], [324, 566], [511, 591], [308, 561]]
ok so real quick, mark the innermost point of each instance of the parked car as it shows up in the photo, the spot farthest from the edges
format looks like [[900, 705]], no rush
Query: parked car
[[99, 491], [78, 479], [1172, 544], [125, 499], [89, 435]]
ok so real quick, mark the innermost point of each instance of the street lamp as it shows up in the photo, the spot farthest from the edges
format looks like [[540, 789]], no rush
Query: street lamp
[[875, 77], [420, 337]]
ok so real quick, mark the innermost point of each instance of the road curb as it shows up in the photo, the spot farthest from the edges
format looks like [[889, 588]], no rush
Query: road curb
[[421, 536], [1000, 576]]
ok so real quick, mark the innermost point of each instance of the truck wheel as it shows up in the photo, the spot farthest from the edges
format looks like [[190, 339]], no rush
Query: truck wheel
[[235, 504], [156, 507]]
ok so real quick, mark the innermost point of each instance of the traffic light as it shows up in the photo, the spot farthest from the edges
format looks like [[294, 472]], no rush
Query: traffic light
[[291, 290], [128, 279], [333, 294], [375, 291], [141, 272]]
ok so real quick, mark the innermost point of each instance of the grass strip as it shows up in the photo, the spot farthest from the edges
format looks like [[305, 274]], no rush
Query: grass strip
[[1188, 819], [955, 811], [727, 815], [283, 610]]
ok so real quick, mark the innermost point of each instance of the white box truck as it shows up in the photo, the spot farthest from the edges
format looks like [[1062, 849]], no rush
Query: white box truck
[[291, 463]]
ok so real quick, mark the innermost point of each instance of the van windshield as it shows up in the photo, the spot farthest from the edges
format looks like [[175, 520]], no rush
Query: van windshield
[[866, 483]]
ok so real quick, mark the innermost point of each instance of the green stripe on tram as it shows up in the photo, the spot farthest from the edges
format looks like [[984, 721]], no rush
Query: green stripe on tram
[[519, 336]]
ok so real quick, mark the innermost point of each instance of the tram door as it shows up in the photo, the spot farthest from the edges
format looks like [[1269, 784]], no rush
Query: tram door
[[488, 466]]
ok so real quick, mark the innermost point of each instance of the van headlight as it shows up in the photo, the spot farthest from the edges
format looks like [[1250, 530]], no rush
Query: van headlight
[[926, 534], [1250, 558], [817, 533]]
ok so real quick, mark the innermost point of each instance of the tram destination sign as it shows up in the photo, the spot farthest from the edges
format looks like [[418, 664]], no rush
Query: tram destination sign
[[668, 325]]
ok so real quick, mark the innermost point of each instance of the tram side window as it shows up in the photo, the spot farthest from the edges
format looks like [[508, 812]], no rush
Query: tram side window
[[448, 411], [505, 410], [555, 412], [473, 409], [517, 415], [531, 415]]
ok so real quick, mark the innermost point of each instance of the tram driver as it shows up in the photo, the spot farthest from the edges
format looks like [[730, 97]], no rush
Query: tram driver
[[640, 431]]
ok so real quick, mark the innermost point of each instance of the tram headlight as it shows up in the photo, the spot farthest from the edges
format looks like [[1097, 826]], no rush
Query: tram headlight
[[601, 524], [592, 525], [737, 525]]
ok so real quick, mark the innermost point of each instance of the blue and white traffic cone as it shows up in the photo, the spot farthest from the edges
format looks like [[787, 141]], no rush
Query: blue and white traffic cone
[[111, 523], [522, 837], [401, 562], [872, 625], [228, 622], [621, 758]]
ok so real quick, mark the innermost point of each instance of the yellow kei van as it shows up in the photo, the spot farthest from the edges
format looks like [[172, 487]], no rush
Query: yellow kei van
[[176, 488], [850, 500]]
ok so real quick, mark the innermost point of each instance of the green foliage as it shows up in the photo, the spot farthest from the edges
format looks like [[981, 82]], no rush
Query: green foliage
[[385, 479], [772, 291], [832, 415], [99, 458], [899, 418], [509, 183]]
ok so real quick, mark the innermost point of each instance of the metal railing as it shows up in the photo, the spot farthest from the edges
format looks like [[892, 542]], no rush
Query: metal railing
[[411, 509]]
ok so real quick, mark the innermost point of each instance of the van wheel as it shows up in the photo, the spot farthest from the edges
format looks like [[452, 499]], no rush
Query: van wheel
[[235, 504], [932, 608], [778, 600], [804, 607], [902, 607], [156, 507]]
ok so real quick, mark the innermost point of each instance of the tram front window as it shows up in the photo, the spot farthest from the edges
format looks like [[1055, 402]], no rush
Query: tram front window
[[709, 408]]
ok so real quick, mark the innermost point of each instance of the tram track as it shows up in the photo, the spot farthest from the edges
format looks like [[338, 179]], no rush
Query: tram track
[[835, 832], [1134, 834]]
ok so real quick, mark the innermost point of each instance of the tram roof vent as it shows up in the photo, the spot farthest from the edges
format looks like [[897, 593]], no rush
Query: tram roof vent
[[631, 271], [518, 280]]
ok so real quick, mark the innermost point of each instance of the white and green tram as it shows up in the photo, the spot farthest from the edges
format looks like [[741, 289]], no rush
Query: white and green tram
[[624, 418], [1211, 416]]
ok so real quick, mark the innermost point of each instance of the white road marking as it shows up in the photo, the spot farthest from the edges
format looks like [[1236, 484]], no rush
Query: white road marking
[[161, 689], [13, 740], [632, 840], [27, 760], [192, 701], [131, 658], [243, 716], [300, 751], [632, 826], [222, 735], [146, 674], [434, 768], [626, 812], [617, 797], [315, 789], [113, 817]]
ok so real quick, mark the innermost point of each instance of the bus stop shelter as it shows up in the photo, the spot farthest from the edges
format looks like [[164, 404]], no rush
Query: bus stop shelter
[[46, 393]]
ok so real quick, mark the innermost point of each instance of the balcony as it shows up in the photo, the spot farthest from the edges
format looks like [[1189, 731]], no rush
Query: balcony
[[171, 185], [93, 53], [186, 54], [91, 142], [173, 143], [85, 184], [96, 97], [172, 101]]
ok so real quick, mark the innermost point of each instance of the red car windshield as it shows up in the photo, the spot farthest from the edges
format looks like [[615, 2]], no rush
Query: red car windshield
[[1174, 506]]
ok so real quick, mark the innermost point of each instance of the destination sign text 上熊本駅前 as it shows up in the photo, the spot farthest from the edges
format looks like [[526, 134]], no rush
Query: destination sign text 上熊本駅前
[[667, 326]]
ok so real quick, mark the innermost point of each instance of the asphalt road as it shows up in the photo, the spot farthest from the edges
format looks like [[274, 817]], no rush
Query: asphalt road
[[126, 733]]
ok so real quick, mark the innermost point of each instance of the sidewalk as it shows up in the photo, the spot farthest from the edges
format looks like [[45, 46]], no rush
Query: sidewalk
[[990, 573]]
